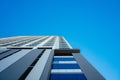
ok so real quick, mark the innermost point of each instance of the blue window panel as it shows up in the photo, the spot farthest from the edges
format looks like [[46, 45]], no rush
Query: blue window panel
[[66, 66], [67, 77], [64, 59]]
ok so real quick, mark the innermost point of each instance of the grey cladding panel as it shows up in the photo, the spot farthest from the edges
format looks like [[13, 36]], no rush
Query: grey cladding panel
[[15, 71], [90, 72], [47, 70], [8, 53], [2, 50]]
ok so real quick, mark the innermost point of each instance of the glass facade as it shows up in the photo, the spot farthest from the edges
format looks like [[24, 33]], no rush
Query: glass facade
[[68, 77], [66, 68], [63, 44], [38, 42], [64, 59], [50, 42]]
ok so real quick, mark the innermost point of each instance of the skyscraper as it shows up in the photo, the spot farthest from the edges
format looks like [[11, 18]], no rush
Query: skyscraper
[[43, 58]]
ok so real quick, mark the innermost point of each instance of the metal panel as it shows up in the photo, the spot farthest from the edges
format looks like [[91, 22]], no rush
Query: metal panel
[[15, 71], [2, 50], [36, 72], [8, 53], [12, 59], [47, 70], [90, 72], [56, 44]]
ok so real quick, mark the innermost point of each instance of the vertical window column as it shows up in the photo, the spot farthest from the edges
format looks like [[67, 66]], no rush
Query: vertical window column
[[66, 68]]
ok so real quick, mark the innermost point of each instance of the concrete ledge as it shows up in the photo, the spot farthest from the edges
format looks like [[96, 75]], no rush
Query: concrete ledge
[[18, 47], [67, 50]]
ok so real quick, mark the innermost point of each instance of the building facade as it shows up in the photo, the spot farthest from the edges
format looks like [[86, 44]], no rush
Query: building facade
[[43, 58]]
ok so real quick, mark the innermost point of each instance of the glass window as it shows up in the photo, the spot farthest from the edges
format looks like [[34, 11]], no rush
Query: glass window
[[67, 77], [66, 66], [64, 59]]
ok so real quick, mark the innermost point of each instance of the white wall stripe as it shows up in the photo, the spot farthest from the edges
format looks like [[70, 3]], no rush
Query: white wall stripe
[[56, 44], [64, 62], [66, 71]]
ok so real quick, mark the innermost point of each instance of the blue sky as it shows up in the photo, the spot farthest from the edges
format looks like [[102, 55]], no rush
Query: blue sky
[[91, 25]]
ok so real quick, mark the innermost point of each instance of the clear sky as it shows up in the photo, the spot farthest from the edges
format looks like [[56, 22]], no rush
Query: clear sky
[[91, 25]]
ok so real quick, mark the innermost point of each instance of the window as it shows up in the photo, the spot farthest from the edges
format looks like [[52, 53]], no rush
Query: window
[[64, 59], [66, 66], [79, 76]]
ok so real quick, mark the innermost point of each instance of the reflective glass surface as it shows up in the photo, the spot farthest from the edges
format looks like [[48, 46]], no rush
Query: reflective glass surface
[[64, 59], [68, 77], [66, 66]]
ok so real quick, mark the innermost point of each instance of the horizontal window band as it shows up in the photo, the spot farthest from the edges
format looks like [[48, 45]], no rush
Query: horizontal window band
[[66, 66], [64, 59], [66, 71], [71, 76]]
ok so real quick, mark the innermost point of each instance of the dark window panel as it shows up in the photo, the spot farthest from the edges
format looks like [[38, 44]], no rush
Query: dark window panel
[[68, 77], [66, 66], [64, 59]]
